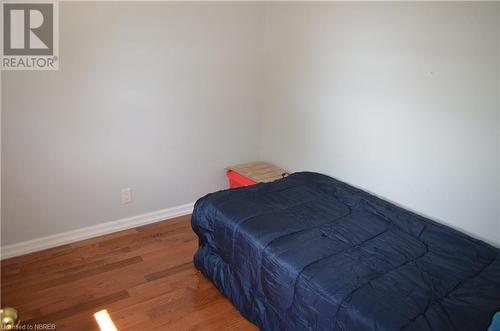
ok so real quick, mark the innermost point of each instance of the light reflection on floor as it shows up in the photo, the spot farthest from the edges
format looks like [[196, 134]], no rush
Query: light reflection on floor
[[104, 320]]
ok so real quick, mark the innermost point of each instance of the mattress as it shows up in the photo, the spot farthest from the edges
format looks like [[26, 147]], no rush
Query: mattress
[[309, 252]]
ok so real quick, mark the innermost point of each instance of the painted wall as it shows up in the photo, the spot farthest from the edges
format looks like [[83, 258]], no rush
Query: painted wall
[[401, 99], [150, 96]]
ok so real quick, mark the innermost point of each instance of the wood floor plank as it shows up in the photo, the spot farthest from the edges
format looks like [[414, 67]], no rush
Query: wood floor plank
[[90, 306], [144, 277], [168, 271], [101, 284], [68, 278]]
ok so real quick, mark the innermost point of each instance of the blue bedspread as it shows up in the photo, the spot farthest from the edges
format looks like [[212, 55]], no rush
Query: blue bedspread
[[309, 252]]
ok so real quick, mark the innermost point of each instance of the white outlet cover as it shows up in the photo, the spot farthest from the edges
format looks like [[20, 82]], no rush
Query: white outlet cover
[[126, 195]]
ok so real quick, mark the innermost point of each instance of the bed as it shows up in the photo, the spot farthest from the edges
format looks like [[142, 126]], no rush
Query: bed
[[309, 252]]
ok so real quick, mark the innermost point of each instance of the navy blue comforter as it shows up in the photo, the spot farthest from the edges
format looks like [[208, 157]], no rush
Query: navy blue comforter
[[309, 252]]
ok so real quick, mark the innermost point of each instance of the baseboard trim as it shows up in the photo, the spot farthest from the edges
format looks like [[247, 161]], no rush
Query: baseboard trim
[[68, 237]]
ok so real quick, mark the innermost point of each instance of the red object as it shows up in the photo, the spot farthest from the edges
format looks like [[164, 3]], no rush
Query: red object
[[237, 180]]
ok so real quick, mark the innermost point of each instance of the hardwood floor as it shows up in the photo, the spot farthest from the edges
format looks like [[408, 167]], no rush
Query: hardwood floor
[[144, 277]]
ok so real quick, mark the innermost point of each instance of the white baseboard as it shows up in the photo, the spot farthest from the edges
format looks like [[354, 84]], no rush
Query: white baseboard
[[64, 238]]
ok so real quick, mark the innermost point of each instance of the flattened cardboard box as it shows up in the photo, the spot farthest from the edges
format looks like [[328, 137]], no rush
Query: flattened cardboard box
[[260, 172]]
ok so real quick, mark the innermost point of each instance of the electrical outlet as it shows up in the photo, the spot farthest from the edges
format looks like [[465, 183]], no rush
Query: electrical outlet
[[126, 195]]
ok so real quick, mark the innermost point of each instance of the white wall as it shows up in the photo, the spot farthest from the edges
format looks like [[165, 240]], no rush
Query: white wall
[[158, 97], [401, 99]]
